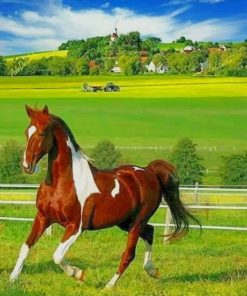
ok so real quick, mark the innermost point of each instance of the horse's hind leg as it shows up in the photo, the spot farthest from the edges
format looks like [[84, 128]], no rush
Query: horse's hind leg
[[128, 255], [147, 235], [72, 232], [39, 226]]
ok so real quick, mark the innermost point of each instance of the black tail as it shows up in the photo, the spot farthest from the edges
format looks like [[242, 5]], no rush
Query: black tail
[[169, 183]]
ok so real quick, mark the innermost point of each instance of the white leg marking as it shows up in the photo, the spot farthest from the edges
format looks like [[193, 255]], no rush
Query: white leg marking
[[19, 263], [113, 281], [148, 264], [63, 247], [71, 270], [116, 189]]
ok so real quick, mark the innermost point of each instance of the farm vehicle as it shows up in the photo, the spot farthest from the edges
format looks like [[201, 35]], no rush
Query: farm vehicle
[[109, 87]]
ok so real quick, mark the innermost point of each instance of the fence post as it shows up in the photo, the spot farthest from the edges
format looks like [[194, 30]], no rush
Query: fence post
[[48, 230], [196, 192], [167, 228]]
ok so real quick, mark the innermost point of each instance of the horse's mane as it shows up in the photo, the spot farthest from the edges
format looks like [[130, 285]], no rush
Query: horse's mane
[[66, 129]]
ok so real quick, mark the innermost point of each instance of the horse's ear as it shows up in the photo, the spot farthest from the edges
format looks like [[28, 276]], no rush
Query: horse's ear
[[29, 111], [45, 110]]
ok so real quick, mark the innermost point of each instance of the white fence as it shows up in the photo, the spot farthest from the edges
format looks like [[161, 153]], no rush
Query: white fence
[[168, 221]]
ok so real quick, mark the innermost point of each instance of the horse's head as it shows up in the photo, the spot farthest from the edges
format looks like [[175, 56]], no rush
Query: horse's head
[[39, 138]]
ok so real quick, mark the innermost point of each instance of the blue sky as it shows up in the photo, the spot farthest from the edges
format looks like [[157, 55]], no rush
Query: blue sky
[[27, 25]]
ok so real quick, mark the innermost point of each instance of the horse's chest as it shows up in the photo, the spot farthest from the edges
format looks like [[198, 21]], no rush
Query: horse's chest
[[59, 205]]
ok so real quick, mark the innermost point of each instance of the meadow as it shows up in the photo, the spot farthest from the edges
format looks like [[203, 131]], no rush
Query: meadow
[[213, 263], [145, 119]]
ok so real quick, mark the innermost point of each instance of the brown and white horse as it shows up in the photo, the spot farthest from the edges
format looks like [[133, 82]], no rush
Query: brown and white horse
[[80, 197]]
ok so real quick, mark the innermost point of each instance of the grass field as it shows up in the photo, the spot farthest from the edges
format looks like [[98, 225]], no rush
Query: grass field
[[212, 264], [149, 111]]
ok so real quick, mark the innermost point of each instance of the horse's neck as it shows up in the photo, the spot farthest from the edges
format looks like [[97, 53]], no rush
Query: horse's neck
[[68, 164]]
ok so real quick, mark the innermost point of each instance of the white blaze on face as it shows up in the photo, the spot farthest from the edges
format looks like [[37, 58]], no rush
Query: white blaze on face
[[32, 129], [115, 190]]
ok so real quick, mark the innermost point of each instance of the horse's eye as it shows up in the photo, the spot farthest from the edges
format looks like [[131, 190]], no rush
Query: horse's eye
[[43, 134]]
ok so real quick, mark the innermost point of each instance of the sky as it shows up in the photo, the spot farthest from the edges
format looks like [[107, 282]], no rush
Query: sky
[[28, 25]]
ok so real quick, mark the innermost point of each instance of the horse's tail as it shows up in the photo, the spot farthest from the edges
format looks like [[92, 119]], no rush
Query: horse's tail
[[169, 182]]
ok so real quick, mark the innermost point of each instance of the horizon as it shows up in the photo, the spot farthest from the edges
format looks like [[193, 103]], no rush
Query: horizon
[[27, 27]]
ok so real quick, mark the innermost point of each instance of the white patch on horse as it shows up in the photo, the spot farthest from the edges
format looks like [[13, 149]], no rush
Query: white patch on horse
[[82, 175], [31, 131], [113, 281], [19, 263], [25, 164], [116, 189], [138, 169]]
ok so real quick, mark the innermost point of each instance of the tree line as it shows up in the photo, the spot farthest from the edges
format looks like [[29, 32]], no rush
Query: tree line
[[105, 155], [98, 55]]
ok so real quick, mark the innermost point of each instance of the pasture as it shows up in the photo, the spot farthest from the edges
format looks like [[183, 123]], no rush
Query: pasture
[[211, 264], [148, 113]]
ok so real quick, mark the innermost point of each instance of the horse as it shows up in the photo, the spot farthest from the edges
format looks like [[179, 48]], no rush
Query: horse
[[79, 197]]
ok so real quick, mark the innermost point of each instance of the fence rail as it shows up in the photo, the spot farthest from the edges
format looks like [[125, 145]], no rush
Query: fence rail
[[168, 222]]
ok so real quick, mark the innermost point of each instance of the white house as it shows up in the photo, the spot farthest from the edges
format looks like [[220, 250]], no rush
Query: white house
[[161, 68], [116, 68], [188, 49]]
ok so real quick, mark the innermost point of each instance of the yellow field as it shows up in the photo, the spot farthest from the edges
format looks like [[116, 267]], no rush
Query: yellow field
[[45, 54]]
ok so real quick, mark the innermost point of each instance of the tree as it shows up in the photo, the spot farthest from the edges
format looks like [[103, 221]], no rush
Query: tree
[[10, 163], [105, 155], [184, 156], [182, 39], [233, 169], [2, 66]]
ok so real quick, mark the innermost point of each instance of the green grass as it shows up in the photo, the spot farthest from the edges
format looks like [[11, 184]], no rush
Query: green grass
[[212, 264], [175, 45], [148, 111]]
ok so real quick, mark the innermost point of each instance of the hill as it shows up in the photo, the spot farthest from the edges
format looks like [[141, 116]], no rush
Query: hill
[[38, 55]]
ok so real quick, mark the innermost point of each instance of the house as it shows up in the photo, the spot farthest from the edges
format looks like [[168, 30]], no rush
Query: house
[[143, 56], [188, 49], [116, 68], [161, 68], [221, 48]]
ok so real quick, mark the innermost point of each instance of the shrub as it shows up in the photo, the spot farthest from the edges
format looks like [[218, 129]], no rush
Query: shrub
[[184, 156], [233, 170], [10, 163], [105, 155]]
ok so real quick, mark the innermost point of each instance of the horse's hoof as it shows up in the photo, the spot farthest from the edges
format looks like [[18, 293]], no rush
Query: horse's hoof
[[80, 275], [13, 277], [156, 274]]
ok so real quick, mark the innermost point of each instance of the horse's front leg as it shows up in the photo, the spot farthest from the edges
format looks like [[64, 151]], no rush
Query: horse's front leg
[[39, 226], [73, 230]]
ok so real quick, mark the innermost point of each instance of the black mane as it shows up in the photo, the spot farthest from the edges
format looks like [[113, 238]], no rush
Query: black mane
[[67, 130]]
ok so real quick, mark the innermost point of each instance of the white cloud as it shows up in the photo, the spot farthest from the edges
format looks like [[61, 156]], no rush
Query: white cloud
[[106, 5], [36, 31], [178, 2]]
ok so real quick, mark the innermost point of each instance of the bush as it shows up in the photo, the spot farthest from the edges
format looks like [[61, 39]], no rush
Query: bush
[[184, 156], [233, 170], [105, 155], [10, 163]]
